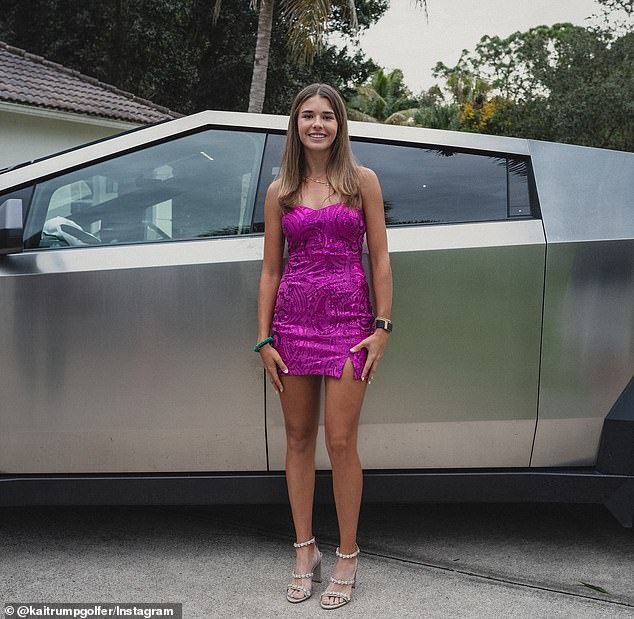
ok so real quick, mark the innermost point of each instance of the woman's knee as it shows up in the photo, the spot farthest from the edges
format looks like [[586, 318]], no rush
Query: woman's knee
[[341, 446], [301, 439]]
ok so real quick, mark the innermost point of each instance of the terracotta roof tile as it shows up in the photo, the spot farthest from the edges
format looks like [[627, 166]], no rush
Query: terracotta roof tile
[[32, 80]]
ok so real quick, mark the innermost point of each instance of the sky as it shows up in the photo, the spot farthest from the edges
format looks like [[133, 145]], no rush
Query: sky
[[403, 38]]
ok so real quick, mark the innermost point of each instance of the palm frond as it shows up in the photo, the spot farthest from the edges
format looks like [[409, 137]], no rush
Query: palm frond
[[358, 115], [307, 21], [216, 12], [402, 117], [371, 94], [368, 100], [423, 3]]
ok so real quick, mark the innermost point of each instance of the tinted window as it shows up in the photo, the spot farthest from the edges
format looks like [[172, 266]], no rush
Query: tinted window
[[430, 185], [197, 186], [442, 185], [520, 188]]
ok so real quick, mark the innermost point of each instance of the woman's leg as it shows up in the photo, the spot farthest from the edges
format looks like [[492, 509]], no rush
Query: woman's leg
[[300, 405], [344, 398]]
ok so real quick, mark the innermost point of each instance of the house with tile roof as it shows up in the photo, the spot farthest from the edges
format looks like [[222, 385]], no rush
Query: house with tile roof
[[46, 107]]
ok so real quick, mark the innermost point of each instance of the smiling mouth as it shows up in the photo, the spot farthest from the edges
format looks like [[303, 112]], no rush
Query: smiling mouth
[[316, 135]]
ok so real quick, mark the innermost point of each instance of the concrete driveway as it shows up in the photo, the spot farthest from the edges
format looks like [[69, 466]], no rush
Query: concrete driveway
[[435, 561]]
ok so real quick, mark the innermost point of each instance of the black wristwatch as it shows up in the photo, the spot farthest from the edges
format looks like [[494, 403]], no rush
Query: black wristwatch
[[383, 323]]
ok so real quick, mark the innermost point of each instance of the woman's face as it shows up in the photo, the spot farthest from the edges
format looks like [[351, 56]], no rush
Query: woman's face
[[316, 124]]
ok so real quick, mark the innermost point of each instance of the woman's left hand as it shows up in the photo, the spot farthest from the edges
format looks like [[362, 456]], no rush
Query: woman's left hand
[[375, 344]]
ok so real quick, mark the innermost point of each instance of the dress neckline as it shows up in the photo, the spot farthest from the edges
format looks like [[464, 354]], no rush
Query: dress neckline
[[321, 208]]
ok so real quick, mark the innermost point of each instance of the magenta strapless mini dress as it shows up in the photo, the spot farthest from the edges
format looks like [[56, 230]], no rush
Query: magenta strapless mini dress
[[323, 303]]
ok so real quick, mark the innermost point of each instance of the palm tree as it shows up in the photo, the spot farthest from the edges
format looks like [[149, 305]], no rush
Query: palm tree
[[261, 60], [385, 98], [307, 21]]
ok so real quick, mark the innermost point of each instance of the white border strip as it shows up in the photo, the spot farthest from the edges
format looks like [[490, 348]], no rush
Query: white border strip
[[467, 235]]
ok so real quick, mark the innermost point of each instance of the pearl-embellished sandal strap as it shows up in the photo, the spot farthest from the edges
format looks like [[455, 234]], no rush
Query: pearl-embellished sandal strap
[[301, 544], [352, 555], [338, 581], [335, 594], [309, 575], [298, 588]]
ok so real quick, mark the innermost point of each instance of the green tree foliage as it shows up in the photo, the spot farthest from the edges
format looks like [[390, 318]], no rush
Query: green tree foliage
[[307, 23], [384, 97], [170, 51], [438, 115], [614, 19], [562, 83]]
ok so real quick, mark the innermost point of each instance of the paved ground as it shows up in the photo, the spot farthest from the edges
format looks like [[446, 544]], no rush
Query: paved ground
[[435, 561]]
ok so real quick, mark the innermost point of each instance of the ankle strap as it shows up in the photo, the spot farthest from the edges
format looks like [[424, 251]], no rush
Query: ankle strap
[[300, 544], [350, 556]]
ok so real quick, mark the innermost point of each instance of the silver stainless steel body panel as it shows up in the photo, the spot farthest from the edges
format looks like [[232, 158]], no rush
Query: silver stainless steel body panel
[[131, 358], [585, 194], [457, 386], [587, 202]]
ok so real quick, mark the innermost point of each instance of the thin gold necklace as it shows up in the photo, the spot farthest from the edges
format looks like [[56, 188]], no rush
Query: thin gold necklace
[[310, 178]]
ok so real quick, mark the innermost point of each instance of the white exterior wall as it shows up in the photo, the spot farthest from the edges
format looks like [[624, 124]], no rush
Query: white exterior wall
[[27, 133]]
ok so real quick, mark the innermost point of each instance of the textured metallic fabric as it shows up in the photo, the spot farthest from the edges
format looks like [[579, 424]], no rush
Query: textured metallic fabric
[[323, 304]]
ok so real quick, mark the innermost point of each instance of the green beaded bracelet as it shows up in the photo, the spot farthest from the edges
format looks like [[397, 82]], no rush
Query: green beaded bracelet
[[259, 345]]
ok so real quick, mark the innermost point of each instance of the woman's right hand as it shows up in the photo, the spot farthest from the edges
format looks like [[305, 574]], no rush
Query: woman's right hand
[[271, 360]]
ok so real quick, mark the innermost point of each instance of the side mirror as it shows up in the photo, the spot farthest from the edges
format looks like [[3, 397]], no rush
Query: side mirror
[[11, 229]]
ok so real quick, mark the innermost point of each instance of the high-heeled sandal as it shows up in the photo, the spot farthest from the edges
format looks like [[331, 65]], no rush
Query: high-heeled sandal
[[315, 576], [338, 581]]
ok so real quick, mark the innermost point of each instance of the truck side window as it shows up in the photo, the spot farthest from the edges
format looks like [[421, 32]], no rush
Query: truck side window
[[439, 185], [198, 186]]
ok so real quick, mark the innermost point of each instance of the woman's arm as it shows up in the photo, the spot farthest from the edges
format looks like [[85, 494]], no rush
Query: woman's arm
[[270, 281], [372, 198], [377, 242]]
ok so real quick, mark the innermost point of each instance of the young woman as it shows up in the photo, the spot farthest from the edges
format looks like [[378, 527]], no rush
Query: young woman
[[315, 319]]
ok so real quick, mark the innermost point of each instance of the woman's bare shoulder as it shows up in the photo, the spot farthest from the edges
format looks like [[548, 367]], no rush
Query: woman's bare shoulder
[[367, 176], [274, 188]]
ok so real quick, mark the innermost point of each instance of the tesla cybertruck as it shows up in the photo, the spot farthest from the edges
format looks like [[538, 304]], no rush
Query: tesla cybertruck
[[128, 300]]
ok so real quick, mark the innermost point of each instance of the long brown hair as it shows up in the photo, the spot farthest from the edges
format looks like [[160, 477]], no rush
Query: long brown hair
[[342, 170]]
